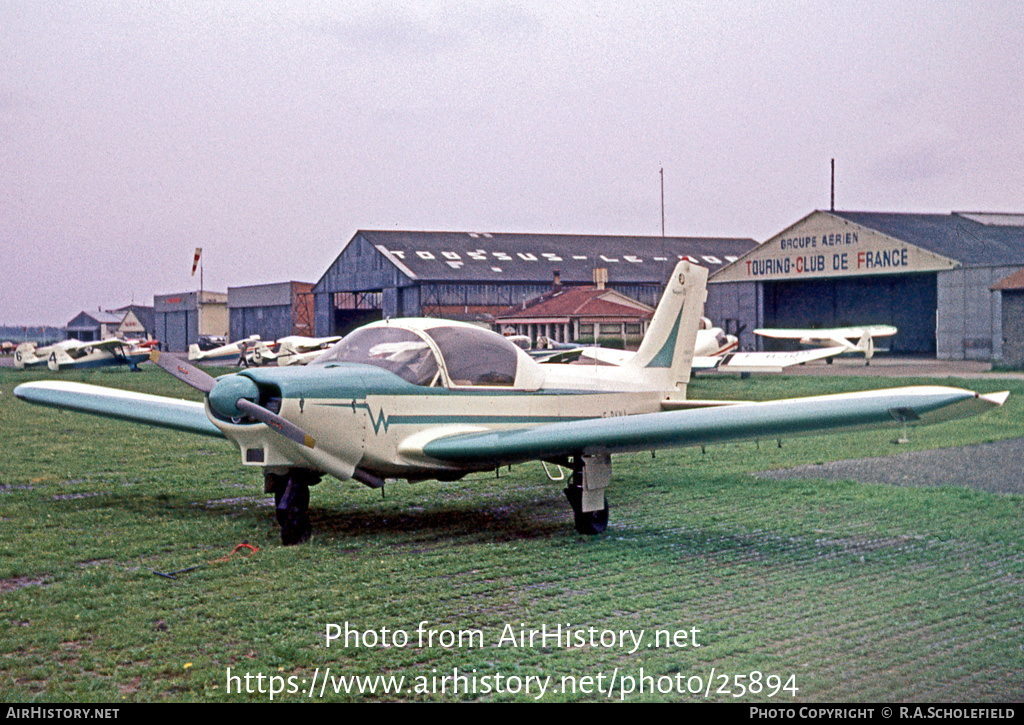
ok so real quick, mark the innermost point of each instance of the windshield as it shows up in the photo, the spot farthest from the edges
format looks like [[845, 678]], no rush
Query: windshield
[[399, 351], [474, 356]]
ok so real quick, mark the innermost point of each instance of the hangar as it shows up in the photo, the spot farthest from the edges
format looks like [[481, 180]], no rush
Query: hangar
[[1011, 297], [132, 322], [181, 319], [474, 276], [271, 311], [928, 274]]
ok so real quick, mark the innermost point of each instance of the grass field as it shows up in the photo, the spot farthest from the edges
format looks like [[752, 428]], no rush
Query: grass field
[[795, 591]]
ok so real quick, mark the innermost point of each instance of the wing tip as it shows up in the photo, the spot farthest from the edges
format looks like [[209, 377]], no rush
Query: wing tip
[[996, 399]]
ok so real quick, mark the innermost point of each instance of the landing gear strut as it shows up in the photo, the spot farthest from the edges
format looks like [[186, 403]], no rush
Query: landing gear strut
[[590, 476], [291, 502]]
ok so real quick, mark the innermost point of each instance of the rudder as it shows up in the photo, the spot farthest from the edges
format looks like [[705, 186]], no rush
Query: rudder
[[666, 353]]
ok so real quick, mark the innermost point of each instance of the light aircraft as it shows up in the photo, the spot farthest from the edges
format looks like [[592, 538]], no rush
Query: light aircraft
[[423, 399], [75, 354], [711, 342], [715, 350], [291, 350], [838, 337], [231, 353]]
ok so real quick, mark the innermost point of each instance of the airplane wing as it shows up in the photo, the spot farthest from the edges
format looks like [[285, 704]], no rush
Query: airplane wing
[[556, 356], [673, 429], [773, 362], [111, 343], [834, 333], [154, 410]]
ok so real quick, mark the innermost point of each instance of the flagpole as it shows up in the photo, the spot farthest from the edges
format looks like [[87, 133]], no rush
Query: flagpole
[[197, 259]]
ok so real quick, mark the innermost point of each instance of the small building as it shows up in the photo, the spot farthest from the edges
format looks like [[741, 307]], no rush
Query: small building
[[138, 322], [1011, 293], [579, 314], [271, 311], [93, 326], [124, 323], [181, 319]]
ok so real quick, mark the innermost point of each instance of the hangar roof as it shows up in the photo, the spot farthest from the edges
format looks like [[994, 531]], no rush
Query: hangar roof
[[975, 239], [91, 320], [509, 257]]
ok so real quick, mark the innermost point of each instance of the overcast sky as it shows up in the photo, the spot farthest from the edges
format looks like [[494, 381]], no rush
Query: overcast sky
[[267, 133]]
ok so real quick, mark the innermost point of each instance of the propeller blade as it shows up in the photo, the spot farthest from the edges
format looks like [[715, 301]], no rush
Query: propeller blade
[[204, 382], [183, 371], [288, 430]]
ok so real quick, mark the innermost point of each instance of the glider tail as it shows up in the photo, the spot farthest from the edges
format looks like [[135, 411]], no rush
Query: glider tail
[[866, 345], [666, 353]]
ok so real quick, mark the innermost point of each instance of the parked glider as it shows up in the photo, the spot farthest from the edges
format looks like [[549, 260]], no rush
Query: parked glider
[[838, 337], [433, 399], [75, 354]]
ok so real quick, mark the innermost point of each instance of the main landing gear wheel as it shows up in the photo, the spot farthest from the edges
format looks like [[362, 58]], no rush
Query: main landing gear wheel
[[590, 476], [588, 523], [291, 503]]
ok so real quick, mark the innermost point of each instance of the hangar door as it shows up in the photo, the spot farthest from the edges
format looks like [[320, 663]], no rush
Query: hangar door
[[354, 309], [907, 301]]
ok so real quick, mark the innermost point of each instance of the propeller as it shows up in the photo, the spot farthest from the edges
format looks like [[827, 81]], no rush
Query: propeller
[[183, 371], [232, 396]]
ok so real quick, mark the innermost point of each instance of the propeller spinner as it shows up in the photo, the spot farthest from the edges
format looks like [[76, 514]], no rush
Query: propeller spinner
[[232, 396]]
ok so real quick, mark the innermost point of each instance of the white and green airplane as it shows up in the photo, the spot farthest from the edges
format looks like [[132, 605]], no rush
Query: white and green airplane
[[423, 399]]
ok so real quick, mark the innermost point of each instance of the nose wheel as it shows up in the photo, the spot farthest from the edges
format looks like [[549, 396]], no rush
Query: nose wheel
[[291, 503]]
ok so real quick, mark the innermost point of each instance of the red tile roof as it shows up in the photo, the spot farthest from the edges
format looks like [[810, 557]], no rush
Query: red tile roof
[[1015, 281], [580, 302]]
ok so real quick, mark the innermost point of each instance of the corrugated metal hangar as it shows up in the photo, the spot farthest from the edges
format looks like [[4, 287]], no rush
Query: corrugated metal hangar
[[1011, 298], [181, 319], [464, 275], [271, 311], [930, 275]]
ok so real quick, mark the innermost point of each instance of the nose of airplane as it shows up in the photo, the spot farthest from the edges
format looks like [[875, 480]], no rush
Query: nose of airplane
[[228, 391]]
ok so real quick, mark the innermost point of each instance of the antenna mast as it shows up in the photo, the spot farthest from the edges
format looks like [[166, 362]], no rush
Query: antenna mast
[[833, 208], [663, 201]]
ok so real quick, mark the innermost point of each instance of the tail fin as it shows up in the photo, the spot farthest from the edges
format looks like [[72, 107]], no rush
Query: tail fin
[[866, 345], [59, 356], [24, 354], [666, 353]]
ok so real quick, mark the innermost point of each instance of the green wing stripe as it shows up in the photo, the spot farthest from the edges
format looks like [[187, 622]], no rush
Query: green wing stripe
[[650, 431], [155, 410]]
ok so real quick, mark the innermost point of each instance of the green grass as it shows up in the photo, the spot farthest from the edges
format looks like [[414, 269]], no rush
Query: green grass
[[845, 591]]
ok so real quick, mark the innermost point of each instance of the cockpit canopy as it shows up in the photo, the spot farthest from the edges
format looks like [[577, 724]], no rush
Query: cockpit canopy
[[436, 353]]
